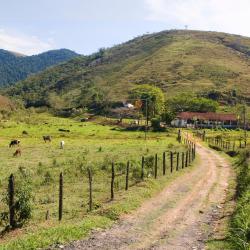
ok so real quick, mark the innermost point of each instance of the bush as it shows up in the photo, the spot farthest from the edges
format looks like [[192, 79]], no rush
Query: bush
[[22, 205], [136, 173], [156, 124], [149, 164]]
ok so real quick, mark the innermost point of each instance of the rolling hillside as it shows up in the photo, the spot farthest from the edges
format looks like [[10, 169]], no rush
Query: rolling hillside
[[176, 61], [15, 67]]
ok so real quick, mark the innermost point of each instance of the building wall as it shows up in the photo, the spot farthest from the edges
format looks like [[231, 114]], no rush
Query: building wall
[[180, 123]]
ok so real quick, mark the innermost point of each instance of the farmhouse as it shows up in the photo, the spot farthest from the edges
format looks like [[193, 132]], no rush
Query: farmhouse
[[205, 120]]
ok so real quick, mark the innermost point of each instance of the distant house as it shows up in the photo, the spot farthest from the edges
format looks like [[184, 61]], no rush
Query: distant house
[[129, 105], [205, 120]]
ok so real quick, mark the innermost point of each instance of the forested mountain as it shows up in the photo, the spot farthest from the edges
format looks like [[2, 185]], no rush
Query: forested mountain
[[216, 64], [15, 67]]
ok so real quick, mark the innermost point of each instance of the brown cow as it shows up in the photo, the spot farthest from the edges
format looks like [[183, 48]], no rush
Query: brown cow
[[17, 152]]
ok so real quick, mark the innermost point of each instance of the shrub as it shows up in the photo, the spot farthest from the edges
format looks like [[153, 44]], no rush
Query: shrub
[[22, 205], [136, 173], [149, 164], [156, 124]]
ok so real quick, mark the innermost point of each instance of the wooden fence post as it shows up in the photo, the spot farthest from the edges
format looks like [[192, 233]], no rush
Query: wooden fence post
[[164, 163], [90, 189], [171, 161], [189, 156], [112, 180], [47, 215], [186, 162], [127, 176], [179, 136], [142, 168], [182, 159], [156, 162], [60, 196], [11, 194], [177, 161], [204, 135]]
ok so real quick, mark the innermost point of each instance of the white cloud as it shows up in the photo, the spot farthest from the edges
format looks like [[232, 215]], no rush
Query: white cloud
[[28, 45], [220, 15]]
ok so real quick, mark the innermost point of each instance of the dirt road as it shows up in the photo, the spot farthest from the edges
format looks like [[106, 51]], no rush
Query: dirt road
[[180, 217]]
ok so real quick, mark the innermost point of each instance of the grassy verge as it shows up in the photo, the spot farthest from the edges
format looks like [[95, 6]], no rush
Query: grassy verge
[[124, 202], [240, 224], [236, 227]]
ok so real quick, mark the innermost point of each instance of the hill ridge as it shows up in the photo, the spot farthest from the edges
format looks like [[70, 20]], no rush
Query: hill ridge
[[15, 67], [178, 61]]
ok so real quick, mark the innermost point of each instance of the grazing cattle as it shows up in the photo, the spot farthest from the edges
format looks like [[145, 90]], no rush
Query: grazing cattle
[[17, 153], [84, 119], [14, 142], [47, 138], [63, 130], [25, 132], [62, 144]]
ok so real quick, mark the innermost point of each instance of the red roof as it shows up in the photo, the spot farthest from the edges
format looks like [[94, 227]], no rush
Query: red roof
[[207, 116]]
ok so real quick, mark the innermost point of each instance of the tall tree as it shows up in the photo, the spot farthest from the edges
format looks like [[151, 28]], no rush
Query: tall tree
[[152, 99]]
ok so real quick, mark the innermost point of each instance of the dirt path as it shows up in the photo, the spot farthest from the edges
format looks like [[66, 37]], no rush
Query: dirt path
[[180, 217]]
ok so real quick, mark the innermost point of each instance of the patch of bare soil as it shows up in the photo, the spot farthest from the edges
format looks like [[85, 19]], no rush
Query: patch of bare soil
[[182, 216]]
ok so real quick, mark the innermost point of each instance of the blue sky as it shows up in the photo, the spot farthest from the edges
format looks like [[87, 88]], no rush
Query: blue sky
[[34, 26]]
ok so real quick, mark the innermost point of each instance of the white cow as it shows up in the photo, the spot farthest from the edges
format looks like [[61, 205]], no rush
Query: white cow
[[62, 144]]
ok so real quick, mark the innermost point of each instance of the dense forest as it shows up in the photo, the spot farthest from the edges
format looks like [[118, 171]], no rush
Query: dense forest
[[15, 67]]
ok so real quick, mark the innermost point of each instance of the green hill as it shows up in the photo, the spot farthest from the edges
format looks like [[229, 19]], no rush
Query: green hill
[[15, 67], [175, 61]]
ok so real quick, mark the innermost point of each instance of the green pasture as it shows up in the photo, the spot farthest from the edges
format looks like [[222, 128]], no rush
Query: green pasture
[[229, 135], [88, 144]]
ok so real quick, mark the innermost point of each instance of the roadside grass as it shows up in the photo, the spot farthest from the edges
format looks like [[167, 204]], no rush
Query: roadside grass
[[237, 226], [56, 235], [234, 230], [240, 223], [86, 145]]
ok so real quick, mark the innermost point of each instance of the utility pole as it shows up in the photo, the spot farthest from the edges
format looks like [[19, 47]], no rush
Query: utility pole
[[245, 125], [146, 127]]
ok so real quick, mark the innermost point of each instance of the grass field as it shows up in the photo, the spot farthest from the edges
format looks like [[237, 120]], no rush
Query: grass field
[[88, 144], [229, 135]]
